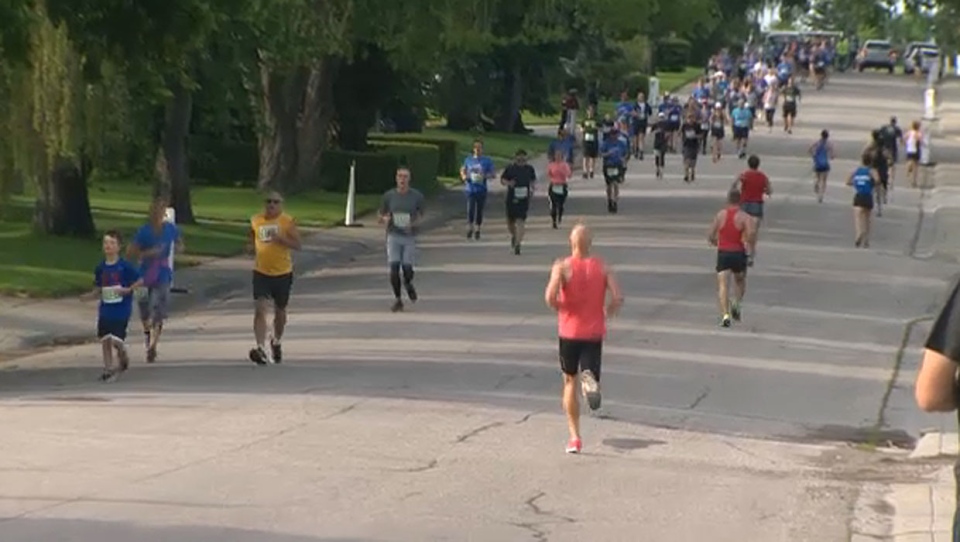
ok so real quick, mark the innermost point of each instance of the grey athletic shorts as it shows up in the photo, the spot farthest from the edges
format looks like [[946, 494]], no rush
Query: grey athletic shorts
[[153, 303], [401, 249]]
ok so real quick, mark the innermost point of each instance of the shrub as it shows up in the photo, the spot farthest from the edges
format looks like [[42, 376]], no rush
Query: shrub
[[673, 55], [223, 163], [449, 149], [377, 167]]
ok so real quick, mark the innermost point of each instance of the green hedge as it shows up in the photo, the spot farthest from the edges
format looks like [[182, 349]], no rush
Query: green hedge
[[377, 167], [449, 149], [673, 55], [223, 163]]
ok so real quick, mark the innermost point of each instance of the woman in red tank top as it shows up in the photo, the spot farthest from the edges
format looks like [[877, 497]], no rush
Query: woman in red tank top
[[578, 292]]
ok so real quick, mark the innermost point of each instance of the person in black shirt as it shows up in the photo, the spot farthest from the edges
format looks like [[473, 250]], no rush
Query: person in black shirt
[[936, 388], [661, 135], [690, 132], [881, 163], [519, 178], [590, 129], [890, 138]]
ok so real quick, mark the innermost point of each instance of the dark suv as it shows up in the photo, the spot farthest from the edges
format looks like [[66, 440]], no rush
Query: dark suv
[[876, 54]]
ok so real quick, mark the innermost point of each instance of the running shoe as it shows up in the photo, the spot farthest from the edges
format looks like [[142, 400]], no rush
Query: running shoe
[[108, 376], [591, 389], [574, 446], [735, 312], [151, 354], [397, 306], [470, 235], [277, 350], [725, 321], [259, 356], [513, 241], [412, 293], [124, 358], [476, 235], [516, 250]]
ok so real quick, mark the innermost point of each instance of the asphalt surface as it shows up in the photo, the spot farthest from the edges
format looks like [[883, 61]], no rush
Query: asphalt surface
[[442, 422]]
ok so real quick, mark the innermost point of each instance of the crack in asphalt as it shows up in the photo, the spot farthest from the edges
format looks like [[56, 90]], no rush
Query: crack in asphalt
[[474, 432], [432, 464], [892, 383], [703, 395], [536, 527], [342, 411], [506, 379]]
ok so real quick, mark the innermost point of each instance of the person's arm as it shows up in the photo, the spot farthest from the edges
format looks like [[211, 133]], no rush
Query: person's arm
[[133, 278], [463, 172], [291, 237], [506, 178], [178, 244], [749, 233], [616, 294], [936, 386], [552, 294], [134, 247], [850, 179], [383, 213], [714, 231], [767, 187], [418, 212], [737, 182], [251, 245]]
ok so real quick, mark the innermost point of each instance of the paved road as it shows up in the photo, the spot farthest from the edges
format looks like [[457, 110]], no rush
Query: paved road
[[442, 423]]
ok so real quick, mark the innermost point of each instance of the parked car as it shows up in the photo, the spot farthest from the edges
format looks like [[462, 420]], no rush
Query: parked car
[[877, 54], [923, 58], [908, 62]]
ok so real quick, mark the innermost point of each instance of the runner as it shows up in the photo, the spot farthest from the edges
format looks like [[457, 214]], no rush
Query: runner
[[519, 178], [691, 134], [661, 135], [911, 145], [477, 169], [273, 236], [115, 280], [703, 117], [718, 122], [152, 245], [614, 155], [734, 234], [559, 173], [401, 209], [881, 164], [591, 142], [891, 136], [741, 128], [578, 291], [674, 118], [822, 153], [754, 187], [770, 98], [638, 127], [863, 180], [791, 95]]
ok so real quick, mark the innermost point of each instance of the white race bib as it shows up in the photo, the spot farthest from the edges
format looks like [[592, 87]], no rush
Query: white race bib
[[588, 136], [691, 134], [111, 295], [521, 192], [557, 188], [613, 172], [267, 232], [476, 177], [401, 220], [718, 124], [705, 125]]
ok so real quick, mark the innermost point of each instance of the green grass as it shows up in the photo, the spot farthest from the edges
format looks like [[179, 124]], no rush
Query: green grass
[[669, 82], [43, 266], [498, 146]]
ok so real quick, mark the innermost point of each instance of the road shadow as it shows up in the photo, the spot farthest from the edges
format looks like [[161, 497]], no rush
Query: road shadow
[[75, 530]]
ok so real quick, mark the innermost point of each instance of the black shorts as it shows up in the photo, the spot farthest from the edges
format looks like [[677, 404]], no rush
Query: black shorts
[[718, 133], [638, 128], [613, 174], [276, 288], [752, 208], [591, 149], [112, 328], [913, 156], [690, 153], [864, 201], [790, 109], [741, 132], [884, 175], [577, 355], [731, 261], [894, 155], [518, 209], [820, 70]]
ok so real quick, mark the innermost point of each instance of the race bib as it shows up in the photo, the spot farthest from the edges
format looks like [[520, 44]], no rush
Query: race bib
[[674, 117], [111, 295], [266, 233], [613, 172], [589, 136], [789, 98], [401, 220], [557, 188], [521, 192], [690, 134], [476, 177], [141, 294], [705, 125], [718, 124]]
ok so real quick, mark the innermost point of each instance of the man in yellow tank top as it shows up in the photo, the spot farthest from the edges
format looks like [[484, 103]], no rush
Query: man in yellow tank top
[[273, 237]]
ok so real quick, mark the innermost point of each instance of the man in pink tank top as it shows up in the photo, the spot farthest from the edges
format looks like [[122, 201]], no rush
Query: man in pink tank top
[[578, 292]]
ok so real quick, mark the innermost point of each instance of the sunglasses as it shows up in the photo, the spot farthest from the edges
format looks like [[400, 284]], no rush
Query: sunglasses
[[273, 201]]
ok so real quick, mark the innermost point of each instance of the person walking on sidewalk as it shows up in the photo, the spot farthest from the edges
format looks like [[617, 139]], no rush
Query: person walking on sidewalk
[[559, 173], [152, 245], [734, 234], [578, 290], [273, 238], [477, 169], [937, 388], [401, 210], [520, 179], [115, 280]]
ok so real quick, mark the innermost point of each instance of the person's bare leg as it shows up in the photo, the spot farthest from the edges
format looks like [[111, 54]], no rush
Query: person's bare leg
[[518, 230], [739, 286], [857, 226], [107, 347], [571, 405], [512, 228], [866, 228], [260, 321], [723, 294], [279, 323]]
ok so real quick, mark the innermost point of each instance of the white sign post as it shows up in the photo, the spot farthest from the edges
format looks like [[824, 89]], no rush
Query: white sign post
[[349, 219], [171, 216], [653, 94]]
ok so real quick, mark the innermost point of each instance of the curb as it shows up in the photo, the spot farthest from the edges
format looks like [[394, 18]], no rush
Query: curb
[[937, 444]]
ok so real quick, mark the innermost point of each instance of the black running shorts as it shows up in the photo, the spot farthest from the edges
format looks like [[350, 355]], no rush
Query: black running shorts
[[577, 355]]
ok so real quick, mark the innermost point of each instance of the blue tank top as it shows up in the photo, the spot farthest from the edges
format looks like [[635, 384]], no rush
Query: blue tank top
[[863, 181], [820, 156]]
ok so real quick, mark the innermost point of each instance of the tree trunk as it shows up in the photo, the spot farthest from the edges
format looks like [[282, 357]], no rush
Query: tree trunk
[[172, 164], [279, 103], [509, 118], [316, 117], [63, 208]]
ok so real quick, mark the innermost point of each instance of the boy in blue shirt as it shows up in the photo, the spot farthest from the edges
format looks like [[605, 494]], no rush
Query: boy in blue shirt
[[115, 279]]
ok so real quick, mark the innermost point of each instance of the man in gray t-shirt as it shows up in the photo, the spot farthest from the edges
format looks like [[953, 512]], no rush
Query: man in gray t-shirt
[[401, 210]]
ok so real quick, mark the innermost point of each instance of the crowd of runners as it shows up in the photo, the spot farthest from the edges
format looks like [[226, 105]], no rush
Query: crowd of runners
[[734, 94]]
